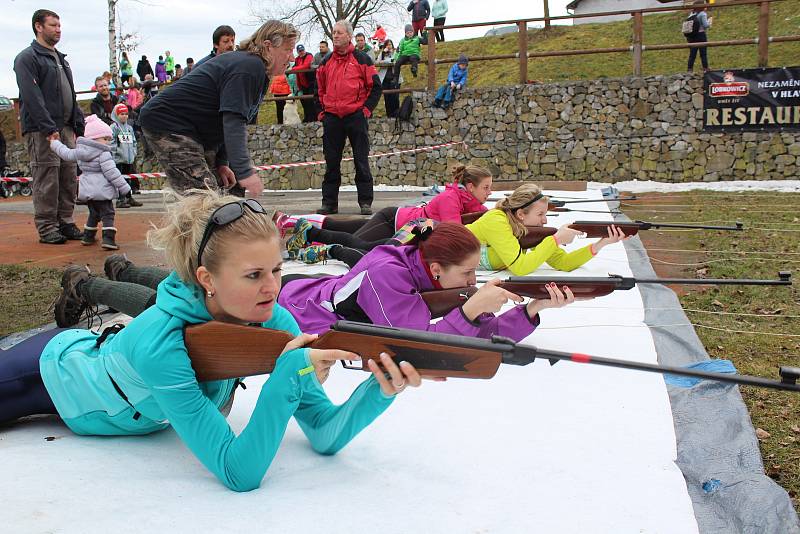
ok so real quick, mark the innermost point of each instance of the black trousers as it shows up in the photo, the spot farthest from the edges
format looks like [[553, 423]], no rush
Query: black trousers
[[402, 60], [309, 107], [100, 210], [702, 37], [391, 101], [439, 33], [335, 130], [129, 168]]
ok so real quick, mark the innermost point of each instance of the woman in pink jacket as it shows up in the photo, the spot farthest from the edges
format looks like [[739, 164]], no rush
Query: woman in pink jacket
[[471, 187]]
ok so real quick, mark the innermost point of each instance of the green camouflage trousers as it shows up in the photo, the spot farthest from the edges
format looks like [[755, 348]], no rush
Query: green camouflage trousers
[[186, 163]]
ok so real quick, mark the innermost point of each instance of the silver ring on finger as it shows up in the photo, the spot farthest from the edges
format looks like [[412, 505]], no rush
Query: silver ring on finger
[[399, 388]]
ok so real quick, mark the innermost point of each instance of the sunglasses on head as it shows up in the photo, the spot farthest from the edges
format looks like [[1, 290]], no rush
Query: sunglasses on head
[[224, 215]]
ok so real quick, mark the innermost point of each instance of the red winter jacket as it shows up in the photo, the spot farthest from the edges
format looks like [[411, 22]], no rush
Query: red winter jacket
[[347, 83], [302, 63]]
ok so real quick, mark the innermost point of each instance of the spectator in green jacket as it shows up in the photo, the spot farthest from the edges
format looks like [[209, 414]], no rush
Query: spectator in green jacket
[[407, 52], [169, 64]]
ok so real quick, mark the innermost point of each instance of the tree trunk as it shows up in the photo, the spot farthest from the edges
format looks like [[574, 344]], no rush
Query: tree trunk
[[113, 66]]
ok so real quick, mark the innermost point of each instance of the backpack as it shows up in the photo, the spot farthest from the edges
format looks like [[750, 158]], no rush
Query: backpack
[[405, 112], [691, 26]]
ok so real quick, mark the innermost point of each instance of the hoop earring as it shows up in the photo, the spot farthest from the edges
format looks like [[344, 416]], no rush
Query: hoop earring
[[209, 294]]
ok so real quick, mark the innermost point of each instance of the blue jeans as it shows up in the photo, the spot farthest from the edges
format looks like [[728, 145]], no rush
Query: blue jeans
[[445, 95]]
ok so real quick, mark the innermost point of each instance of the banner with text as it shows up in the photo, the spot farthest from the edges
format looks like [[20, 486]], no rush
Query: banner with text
[[752, 100]]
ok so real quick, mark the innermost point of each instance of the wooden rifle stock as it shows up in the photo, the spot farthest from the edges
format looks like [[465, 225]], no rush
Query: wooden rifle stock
[[220, 351], [225, 350]]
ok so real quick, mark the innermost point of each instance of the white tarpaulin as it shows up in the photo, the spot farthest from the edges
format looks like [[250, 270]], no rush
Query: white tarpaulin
[[569, 449]]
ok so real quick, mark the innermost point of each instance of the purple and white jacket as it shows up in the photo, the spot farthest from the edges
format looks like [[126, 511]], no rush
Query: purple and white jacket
[[383, 289]]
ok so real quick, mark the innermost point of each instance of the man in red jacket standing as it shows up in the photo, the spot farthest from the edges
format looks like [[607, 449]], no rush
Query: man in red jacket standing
[[348, 89], [305, 82]]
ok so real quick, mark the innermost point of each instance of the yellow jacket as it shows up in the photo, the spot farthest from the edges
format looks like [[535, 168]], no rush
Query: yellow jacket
[[494, 232]]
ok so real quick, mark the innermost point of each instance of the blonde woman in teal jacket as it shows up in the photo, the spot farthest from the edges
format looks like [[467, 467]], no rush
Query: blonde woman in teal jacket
[[227, 261]]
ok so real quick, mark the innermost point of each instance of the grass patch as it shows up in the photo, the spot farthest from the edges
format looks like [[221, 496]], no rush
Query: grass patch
[[28, 293], [766, 216]]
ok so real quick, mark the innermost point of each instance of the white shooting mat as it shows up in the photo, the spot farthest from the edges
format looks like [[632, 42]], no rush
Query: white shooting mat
[[568, 449]]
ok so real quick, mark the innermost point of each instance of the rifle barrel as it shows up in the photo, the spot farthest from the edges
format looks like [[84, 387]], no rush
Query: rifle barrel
[[788, 374], [784, 279], [737, 228], [619, 199]]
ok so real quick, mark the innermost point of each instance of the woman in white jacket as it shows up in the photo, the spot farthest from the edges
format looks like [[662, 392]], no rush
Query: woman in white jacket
[[100, 181]]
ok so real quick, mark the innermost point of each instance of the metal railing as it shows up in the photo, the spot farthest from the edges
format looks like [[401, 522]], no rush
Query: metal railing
[[637, 46]]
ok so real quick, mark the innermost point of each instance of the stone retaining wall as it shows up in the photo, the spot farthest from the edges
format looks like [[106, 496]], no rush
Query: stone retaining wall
[[646, 128]]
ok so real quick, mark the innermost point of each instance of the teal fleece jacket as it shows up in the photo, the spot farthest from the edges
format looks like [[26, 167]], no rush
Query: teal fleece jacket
[[148, 362]]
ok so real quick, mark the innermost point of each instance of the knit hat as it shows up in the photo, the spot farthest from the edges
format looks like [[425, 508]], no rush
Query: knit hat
[[95, 128], [409, 28], [120, 108], [463, 59]]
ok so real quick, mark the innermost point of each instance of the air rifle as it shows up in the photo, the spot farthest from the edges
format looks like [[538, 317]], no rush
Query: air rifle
[[431, 353], [443, 301], [536, 234]]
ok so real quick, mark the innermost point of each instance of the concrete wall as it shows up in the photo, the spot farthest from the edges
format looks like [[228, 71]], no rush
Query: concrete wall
[[646, 128]]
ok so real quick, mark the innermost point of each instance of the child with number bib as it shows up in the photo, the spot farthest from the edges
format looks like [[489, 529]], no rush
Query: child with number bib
[[123, 145]]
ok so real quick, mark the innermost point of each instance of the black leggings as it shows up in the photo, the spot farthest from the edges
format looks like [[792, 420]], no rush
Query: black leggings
[[380, 226], [22, 391], [332, 237]]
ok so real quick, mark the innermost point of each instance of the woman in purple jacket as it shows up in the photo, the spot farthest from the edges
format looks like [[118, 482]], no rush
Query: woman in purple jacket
[[384, 289]]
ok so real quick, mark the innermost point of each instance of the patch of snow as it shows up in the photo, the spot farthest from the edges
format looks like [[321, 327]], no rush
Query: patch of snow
[[636, 186]]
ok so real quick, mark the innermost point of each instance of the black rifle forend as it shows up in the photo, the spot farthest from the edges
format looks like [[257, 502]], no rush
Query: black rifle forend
[[443, 301], [436, 354]]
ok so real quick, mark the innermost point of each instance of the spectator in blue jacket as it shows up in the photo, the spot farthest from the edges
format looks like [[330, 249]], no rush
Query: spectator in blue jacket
[[456, 80]]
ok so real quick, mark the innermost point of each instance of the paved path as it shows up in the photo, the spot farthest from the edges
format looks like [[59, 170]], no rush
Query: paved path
[[20, 242]]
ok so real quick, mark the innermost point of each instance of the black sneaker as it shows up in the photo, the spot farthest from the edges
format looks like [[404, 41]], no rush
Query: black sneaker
[[53, 238], [328, 210], [71, 232], [71, 304], [115, 264], [123, 203], [366, 209], [134, 203]]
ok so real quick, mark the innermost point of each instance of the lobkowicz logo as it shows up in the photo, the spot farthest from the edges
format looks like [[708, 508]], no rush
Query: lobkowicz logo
[[729, 87]]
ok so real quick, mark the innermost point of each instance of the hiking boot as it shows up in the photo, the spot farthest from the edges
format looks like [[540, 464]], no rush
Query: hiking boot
[[89, 235], [366, 209], [313, 254], [133, 202], [71, 304], [53, 238], [71, 231], [328, 210], [298, 239], [108, 239], [114, 265], [124, 202]]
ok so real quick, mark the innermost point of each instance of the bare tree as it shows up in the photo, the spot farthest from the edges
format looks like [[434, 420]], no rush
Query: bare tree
[[113, 64], [126, 43], [320, 15]]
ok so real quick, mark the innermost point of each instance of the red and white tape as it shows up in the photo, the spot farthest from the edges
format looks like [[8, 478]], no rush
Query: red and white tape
[[16, 179], [319, 162], [283, 165]]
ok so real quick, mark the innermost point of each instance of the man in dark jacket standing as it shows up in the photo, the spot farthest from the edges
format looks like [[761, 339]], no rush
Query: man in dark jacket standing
[[104, 102], [49, 111], [348, 89], [143, 68], [420, 11]]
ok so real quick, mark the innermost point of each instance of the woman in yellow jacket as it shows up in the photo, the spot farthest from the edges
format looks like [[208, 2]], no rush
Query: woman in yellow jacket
[[500, 229]]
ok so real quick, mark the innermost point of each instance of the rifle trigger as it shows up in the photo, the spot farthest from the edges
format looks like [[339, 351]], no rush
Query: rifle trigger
[[553, 361]]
